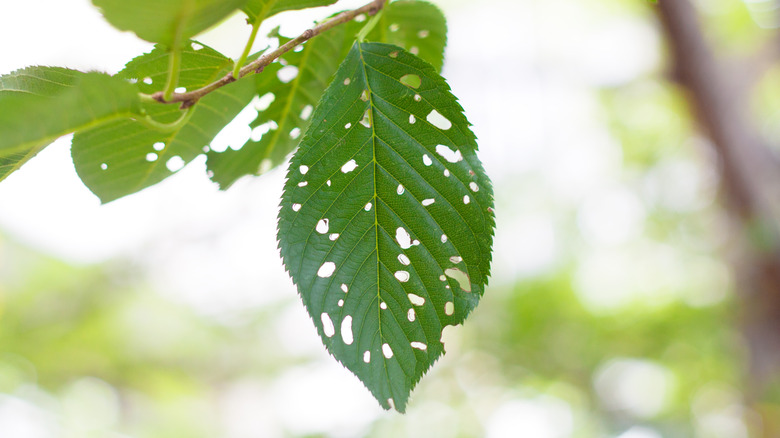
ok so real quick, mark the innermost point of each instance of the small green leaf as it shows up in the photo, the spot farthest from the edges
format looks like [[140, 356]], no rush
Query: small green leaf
[[288, 116], [386, 222], [166, 21], [417, 26], [125, 156], [262, 9], [40, 104]]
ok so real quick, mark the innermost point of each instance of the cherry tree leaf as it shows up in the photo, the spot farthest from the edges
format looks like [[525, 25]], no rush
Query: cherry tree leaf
[[295, 88], [386, 221], [167, 22], [40, 104], [262, 9], [124, 156]]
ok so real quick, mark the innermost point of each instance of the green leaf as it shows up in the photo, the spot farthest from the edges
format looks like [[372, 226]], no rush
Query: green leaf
[[386, 222], [166, 21], [40, 104], [125, 156], [262, 9], [417, 26], [288, 116]]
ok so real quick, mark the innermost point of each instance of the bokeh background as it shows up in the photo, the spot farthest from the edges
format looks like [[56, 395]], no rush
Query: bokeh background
[[631, 294]]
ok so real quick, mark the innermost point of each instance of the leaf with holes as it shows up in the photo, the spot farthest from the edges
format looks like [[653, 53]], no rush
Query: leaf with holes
[[40, 104], [124, 156], [386, 222], [262, 9], [294, 89], [419, 27], [169, 22]]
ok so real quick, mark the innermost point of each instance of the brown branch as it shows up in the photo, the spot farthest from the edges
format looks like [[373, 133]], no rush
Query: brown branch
[[191, 97]]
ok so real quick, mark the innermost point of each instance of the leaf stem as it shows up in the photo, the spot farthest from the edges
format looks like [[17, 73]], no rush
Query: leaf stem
[[174, 65], [247, 49], [369, 26], [167, 127], [191, 97]]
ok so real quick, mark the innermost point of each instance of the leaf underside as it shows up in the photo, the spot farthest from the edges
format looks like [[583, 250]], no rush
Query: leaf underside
[[261, 9], [386, 221], [124, 156], [166, 22], [412, 24], [40, 104]]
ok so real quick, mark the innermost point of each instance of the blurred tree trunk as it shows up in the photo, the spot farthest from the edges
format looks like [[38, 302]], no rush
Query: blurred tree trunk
[[750, 178]]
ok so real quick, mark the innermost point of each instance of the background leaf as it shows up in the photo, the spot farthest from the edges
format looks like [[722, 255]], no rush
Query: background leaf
[[263, 9], [166, 21], [386, 220], [125, 156], [40, 104], [288, 115]]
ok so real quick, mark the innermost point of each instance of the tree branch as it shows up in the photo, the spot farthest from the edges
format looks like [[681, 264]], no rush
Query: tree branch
[[190, 98]]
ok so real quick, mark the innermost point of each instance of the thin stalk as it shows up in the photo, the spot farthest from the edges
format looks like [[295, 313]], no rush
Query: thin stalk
[[167, 127], [247, 49], [174, 65]]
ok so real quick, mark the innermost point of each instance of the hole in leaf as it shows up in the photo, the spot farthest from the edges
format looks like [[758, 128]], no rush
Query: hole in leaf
[[296, 207], [265, 165], [453, 156], [206, 149], [417, 98], [419, 346], [394, 27], [416, 299], [346, 330], [364, 96], [366, 120], [367, 207], [443, 238], [341, 303], [473, 186], [295, 133], [303, 184], [175, 163], [412, 119], [347, 81], [328, 183], [326, 270], [456, 259], [151, 156], [333, 236], [402, 276], [400, 189], [366, 356], [287, 73], [403, 238], [466, 199], [262, 103], [461, 277], [344, 288], [449, 308], [427, 202], [104, 166], [404, 260], [348, 125], [423, 33], [411, 80], [147, 80], [360, 18], [158, 146], [323, 226], [349, 166], [415, 242], [196, 46], [258, 131], [306, 112], [442, 277], [436, 119], [327, 325], [447, 173], [427, 160], [410, 315], [303, 169], [414, 50], [387, 351], [394, 54], [180, 90]]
